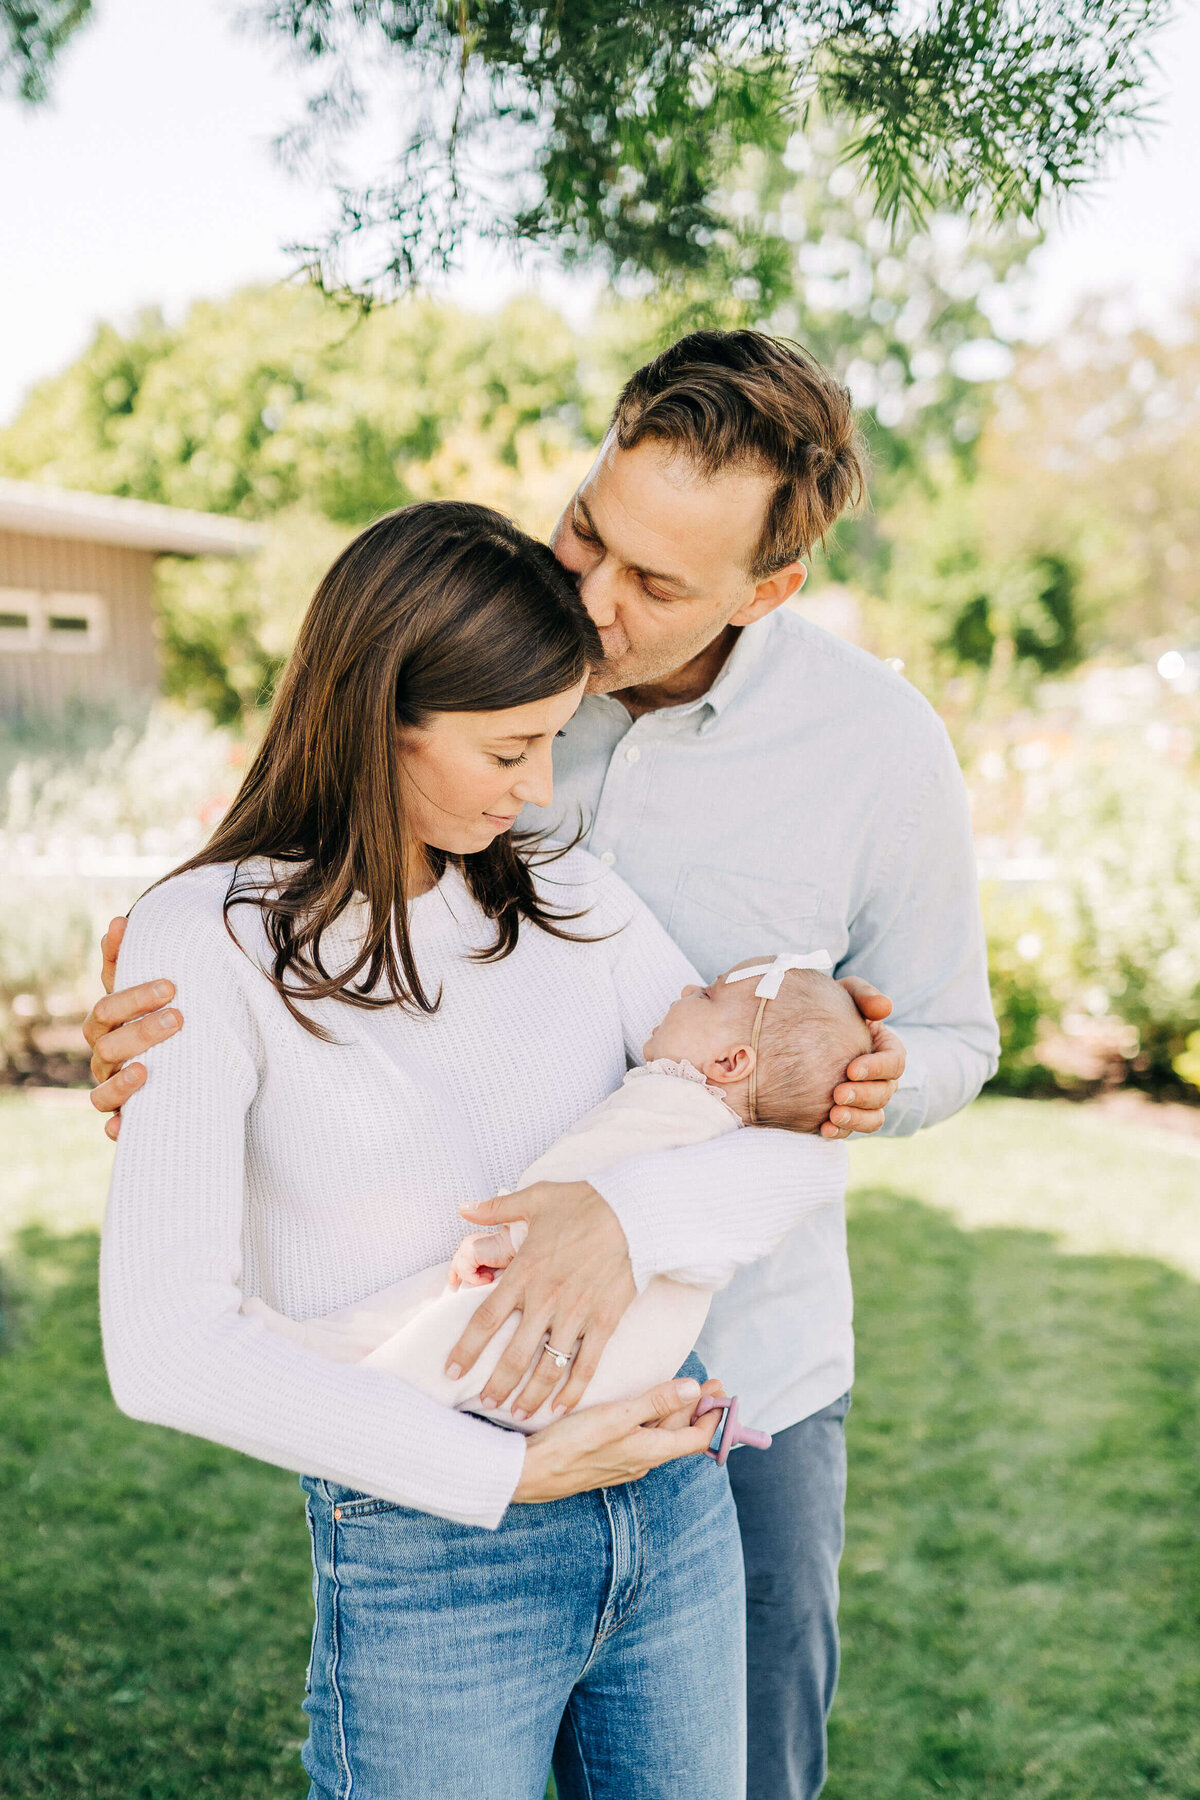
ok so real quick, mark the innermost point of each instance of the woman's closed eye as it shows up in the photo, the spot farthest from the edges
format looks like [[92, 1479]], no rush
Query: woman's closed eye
[[511, 762]]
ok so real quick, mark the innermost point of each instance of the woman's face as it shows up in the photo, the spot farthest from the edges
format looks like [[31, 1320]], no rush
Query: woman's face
[[465, 776]]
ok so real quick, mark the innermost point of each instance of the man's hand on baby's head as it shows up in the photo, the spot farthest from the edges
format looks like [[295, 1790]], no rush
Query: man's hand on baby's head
[[871, 1080]]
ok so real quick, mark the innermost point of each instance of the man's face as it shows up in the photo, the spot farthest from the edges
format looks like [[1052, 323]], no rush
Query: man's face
[[663, 555]]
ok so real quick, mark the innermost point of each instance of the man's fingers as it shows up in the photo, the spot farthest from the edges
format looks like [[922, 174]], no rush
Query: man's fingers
[[110, 943], [844, 1121], [878, 1065], [116, 1047], [866, 1095], [129, 1003], [867, 997], [112, 1128], [112, 1094]]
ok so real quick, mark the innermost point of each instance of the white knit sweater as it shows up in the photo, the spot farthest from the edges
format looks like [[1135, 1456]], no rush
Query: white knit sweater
[[259, 1160]]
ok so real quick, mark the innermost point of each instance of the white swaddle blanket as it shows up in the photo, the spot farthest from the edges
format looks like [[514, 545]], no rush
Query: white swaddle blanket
[[411, 1327]]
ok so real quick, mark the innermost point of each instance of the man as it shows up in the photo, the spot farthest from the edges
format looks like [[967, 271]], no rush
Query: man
[[765, 788]]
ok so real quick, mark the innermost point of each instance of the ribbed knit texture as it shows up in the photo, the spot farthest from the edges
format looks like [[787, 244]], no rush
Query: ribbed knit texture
[[259, 1160]]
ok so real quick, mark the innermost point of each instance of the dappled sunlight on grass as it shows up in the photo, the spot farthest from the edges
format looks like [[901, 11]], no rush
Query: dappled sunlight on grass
[[1096, 1183]]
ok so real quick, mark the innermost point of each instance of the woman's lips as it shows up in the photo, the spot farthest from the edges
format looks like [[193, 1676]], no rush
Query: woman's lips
[[504, 820]]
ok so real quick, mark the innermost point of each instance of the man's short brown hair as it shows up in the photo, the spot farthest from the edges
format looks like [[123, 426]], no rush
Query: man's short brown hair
[[741, 397]]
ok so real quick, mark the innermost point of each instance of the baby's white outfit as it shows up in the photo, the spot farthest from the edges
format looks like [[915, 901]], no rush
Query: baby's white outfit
[[410, 1328]]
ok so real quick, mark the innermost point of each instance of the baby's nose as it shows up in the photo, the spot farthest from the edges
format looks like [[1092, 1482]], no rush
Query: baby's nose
[[693, 989]]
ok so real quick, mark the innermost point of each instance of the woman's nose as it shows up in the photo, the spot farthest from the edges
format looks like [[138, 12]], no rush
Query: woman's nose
[[536, 786]]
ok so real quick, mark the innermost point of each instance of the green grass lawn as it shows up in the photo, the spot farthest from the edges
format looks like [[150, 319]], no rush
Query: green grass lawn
[[1021, 1596]]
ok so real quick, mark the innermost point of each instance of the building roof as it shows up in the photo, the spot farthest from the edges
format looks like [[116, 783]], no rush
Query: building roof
[[40, 511]]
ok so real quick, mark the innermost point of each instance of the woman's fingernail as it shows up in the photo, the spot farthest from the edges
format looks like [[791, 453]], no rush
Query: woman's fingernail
[[453, 1371], [688, 1389], [519, 1412], [558, 1410], [162, 990], [488, 1404]]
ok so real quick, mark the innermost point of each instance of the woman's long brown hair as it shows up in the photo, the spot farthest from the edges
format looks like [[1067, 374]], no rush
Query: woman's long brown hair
[[441, 607]]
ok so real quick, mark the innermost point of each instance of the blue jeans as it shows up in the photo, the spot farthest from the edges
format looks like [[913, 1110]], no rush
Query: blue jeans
[[791, 1503], [604, 1631]]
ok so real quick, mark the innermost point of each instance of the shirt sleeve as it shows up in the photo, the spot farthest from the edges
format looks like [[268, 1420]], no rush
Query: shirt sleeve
[[699, 1213], [919, 937], [179, 1351]]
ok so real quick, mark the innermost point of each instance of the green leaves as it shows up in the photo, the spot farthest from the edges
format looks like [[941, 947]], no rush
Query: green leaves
[[32, 32], [621, 124]]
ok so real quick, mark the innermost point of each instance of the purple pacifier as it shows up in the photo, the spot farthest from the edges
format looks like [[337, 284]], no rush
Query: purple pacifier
[[732, 1431]]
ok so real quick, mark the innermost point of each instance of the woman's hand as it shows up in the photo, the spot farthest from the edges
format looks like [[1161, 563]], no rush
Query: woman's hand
[[571, 1281], [605, 1446]]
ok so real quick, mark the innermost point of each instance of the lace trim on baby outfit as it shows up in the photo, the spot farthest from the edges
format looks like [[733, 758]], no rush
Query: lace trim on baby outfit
[[684, 1071]]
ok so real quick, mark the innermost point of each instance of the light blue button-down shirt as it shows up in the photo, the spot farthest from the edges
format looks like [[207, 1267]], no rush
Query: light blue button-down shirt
[[811, 799]]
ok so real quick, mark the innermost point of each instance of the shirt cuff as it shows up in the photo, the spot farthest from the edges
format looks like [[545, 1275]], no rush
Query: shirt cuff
[[905, 1112]]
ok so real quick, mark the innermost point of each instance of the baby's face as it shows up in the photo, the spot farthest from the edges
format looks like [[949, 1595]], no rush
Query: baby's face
[[705, 1023]]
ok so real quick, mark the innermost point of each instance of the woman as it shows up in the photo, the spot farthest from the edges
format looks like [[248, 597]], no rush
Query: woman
[[391, 1010]]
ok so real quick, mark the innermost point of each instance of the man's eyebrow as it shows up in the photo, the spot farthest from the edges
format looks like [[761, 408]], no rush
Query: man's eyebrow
[[675, 581]]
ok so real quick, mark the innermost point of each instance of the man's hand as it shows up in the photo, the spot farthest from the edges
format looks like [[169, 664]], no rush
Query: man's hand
[[123, 1025], [571, 1281], [871, 1080]]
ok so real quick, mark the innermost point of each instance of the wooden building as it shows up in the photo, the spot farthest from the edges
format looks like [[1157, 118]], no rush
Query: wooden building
[[77, 591]]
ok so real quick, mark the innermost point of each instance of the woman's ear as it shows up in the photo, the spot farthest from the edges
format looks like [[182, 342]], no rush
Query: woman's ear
[[736, 1065]]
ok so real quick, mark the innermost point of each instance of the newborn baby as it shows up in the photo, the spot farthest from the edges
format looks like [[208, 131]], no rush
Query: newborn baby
[[764, 1044]]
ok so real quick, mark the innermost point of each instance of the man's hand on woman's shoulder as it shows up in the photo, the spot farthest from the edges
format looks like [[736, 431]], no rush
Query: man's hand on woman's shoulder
[[121, 1026], [871, 1080]]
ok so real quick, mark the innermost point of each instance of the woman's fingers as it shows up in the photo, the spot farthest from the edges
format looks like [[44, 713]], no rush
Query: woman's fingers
[[583, 1368], [112, 1094], [679, 1420], [525, 1343]]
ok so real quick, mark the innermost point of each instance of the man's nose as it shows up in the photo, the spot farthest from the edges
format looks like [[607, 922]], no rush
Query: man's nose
[[598, 591]]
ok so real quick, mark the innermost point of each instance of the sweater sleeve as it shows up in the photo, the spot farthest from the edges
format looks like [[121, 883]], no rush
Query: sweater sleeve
[[178, 1349], [700, 1213]]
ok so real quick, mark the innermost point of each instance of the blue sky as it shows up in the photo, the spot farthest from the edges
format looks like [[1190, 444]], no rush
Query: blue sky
[[150, 180]]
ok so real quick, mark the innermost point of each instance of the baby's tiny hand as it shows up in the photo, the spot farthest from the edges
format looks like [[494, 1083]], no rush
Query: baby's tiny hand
[[478, 1256]]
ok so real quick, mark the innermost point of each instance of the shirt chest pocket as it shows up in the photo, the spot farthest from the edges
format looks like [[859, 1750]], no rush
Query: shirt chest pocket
[[721, 916]]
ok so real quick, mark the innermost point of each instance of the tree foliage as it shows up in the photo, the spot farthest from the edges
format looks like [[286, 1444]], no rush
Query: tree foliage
[[32, 32], [610, 128], [605, 129]]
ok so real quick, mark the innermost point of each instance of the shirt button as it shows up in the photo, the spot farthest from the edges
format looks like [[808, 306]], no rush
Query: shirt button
[[609, 858], [632, 754]]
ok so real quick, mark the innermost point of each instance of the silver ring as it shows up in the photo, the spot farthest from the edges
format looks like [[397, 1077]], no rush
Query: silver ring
[[561, 1357]]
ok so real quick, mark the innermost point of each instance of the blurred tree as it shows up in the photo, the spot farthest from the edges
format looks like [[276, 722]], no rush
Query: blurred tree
[[609, 128], [32, 32], [280, 406]]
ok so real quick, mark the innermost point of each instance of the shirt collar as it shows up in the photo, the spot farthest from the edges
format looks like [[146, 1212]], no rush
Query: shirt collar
[[739, 666]]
